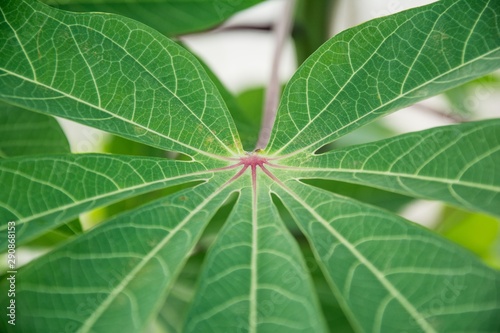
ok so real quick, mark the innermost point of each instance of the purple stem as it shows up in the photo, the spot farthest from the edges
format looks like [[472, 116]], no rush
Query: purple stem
[[282, 32]]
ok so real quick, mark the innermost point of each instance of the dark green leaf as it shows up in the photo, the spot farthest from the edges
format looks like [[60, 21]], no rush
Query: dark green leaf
[[456, 164], [24, 132], [156, 94], [170, 17], [382, 66]]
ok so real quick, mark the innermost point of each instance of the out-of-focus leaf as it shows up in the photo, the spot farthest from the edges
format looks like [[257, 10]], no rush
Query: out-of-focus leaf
[[465, 98], [477, 232], [170, 17], [251, 102], [24, 132], [335, 318], [311, 27], [384, 199], [173, 312]]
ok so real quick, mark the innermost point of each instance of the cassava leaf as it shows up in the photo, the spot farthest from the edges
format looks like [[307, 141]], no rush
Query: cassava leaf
[[114, 74], [66, 185], [118, 75], [384, 65], [389, 274], [457, 164], [255, 279], [24, 132], [170, 17], [126, 276]]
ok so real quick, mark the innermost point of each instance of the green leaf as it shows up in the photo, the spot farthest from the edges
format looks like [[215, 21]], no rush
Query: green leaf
[[389, 274], [382, 66], [477, 232], [156, 93], [465, 98], [107, 275], [24, 133], [251, 102], [174, 309], [67, 185], [170, 17], [255, 279], [27, 133], [311, 26], [118, 145], [53, 237], [456, 164]]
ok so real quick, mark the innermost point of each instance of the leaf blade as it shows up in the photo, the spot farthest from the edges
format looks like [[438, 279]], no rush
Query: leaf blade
[[90, 181], [255, 278], [345, 83], [69, 70], [364, 250], [130, 279], [456, 164]]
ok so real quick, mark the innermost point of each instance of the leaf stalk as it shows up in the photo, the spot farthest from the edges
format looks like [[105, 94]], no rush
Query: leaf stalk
[[282, 30]]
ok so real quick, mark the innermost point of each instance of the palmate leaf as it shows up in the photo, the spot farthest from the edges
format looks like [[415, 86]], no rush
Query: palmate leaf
[[66, 185], [382, 66], [254, 279], [118, 75], [156, 93], [456, 164], [128, 262], [392, 275], [23, 133]]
